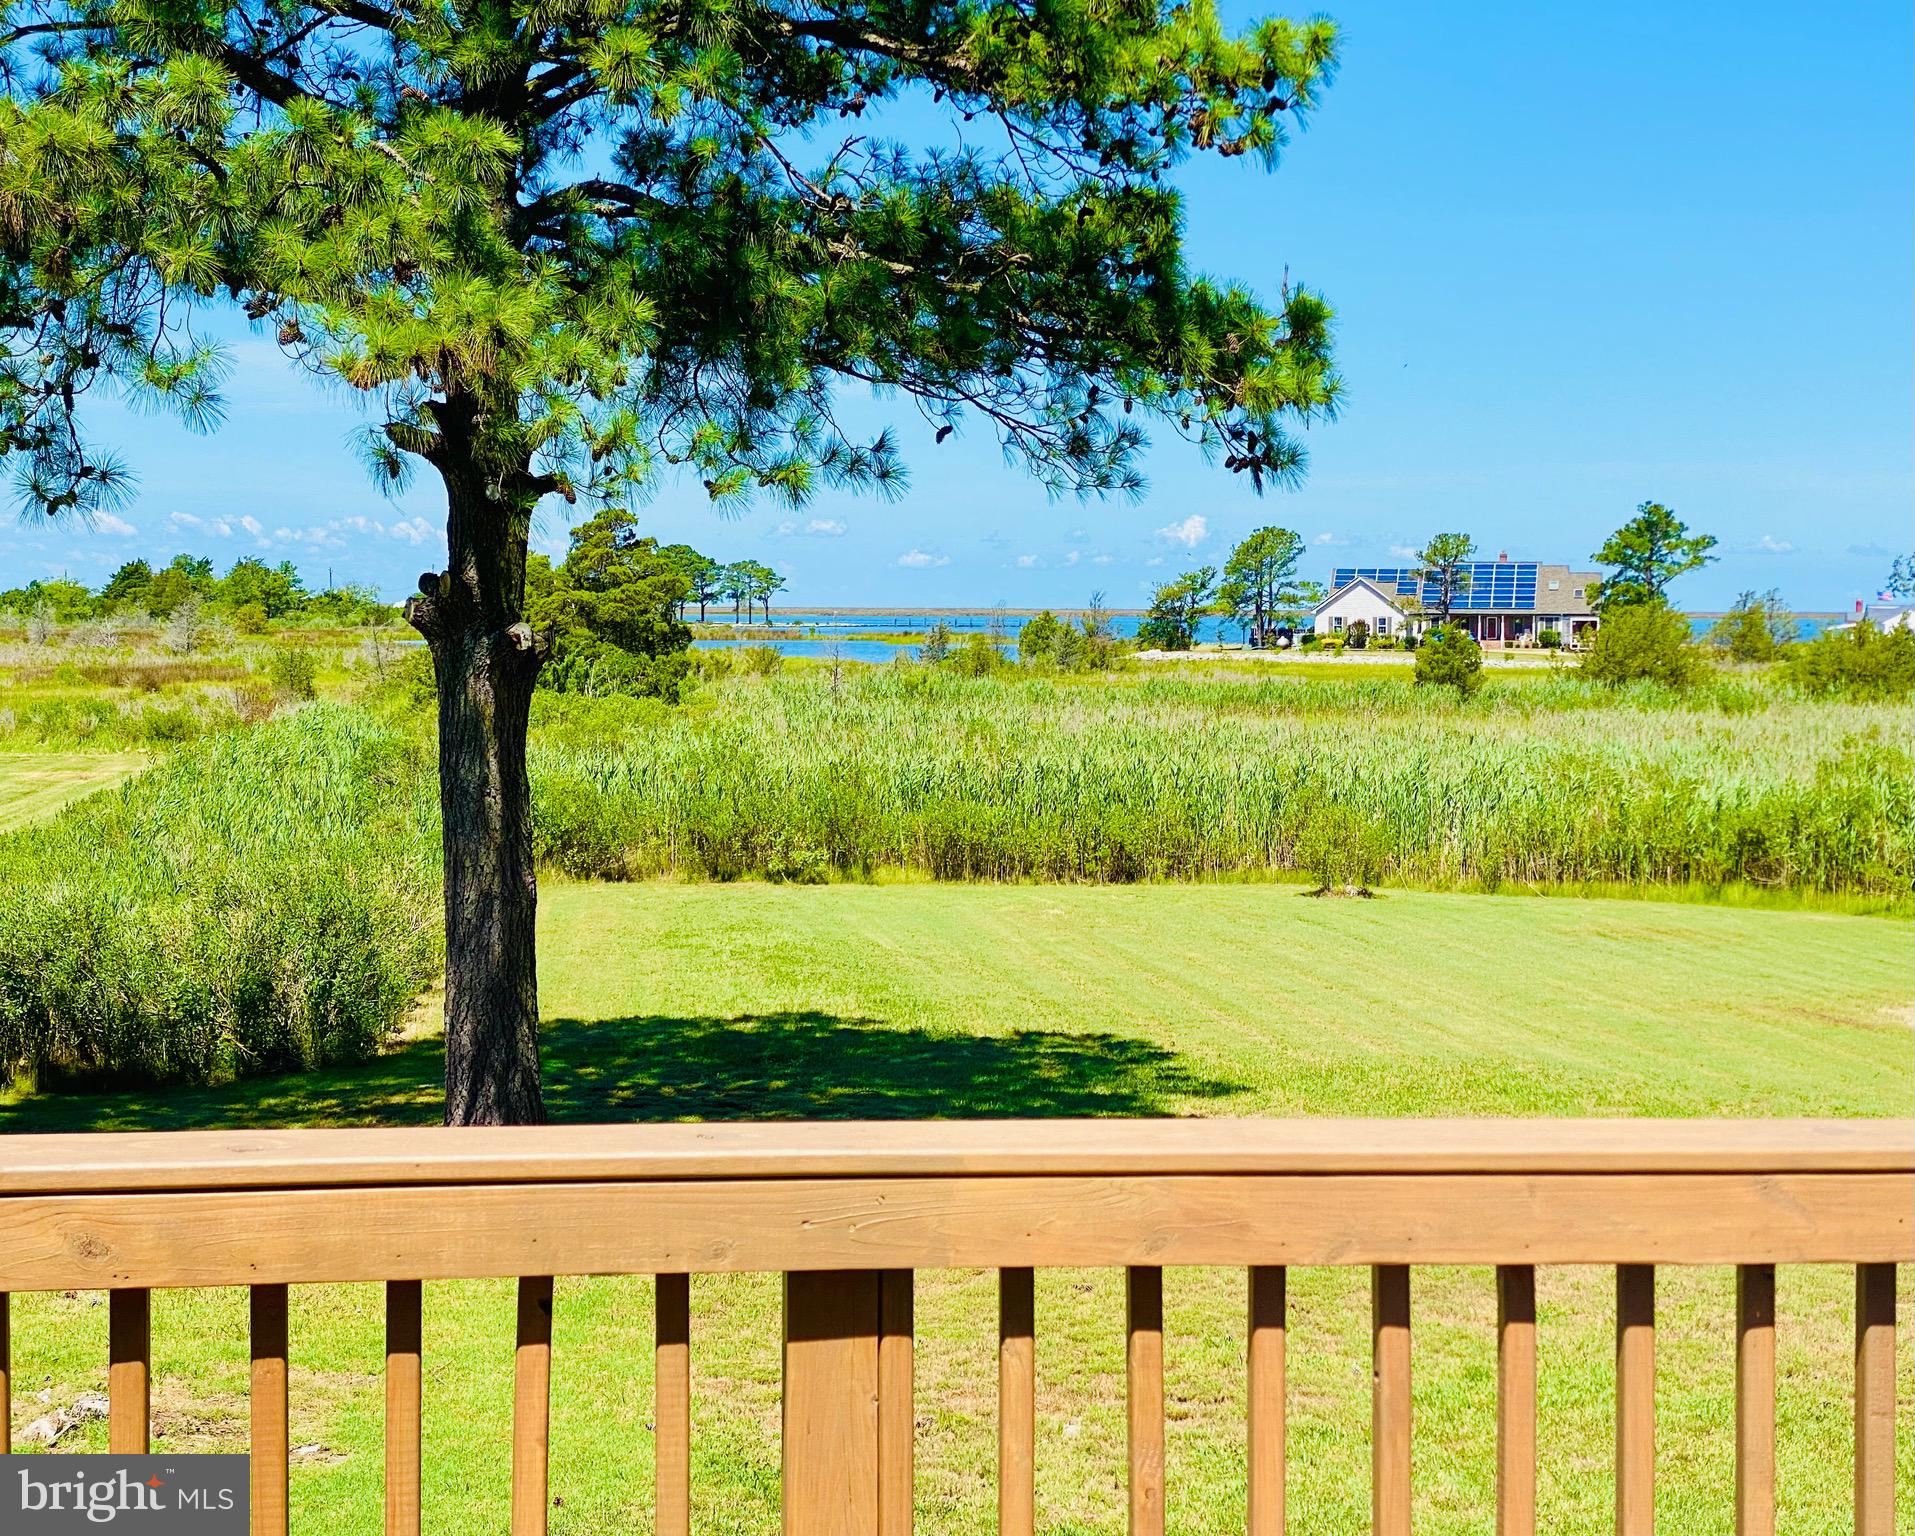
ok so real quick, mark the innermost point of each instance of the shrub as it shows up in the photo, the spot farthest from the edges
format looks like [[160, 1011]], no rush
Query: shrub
[[1037, 640], [263, 901], [1755, 628], [1550, 639], [184, 628], [1449, 657], [1859, 663], [1341, 849], [293, 670], [1357, 636], [1643, 643], [977, 657], [250, 619], [760, 660]]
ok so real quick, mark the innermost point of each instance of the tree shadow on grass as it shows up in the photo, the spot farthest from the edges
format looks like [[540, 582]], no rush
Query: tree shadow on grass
[[779, 1066]]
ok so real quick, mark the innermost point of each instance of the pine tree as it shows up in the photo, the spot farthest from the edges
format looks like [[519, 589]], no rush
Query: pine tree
[[563, 248]]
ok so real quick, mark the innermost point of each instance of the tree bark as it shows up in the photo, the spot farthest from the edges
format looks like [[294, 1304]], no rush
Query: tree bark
[[486, 659]]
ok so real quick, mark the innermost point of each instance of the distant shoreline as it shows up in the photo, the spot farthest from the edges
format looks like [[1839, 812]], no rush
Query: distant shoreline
[[827, 611]]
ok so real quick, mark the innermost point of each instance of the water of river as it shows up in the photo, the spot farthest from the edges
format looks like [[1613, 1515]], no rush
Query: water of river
[[825, 633]]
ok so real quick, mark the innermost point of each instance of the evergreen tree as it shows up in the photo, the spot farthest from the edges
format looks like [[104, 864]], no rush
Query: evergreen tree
[[1260, 583], [1444, 564], [1647, 553], [562, 247]]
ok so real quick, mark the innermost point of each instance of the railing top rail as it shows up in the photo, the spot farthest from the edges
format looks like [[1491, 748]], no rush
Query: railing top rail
[[216, 1160]]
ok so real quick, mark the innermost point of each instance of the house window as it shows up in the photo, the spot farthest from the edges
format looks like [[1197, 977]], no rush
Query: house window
[[1554, 585], [1382, 625], [1577, 593], [1336, 623]]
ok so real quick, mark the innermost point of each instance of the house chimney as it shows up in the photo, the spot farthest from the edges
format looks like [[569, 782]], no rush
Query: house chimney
[[1502, 557]]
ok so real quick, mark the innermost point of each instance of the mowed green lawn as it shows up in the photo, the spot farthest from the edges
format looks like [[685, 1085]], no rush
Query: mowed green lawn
[[738, 1001], [35, 784]]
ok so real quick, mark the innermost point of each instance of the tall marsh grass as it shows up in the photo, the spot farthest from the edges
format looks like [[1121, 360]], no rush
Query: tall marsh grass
[[1544, 781], [261, 901]]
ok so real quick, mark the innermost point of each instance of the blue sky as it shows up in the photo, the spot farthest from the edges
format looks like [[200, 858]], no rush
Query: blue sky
[[1582, 257]]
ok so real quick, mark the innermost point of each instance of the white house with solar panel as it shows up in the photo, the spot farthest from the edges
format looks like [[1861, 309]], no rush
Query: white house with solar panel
[[1505, 602]]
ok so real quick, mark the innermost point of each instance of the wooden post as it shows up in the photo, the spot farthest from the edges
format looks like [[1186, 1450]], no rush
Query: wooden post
[[1874, 1400], [1755, 1400], [532, 1407], [672, 1407], [405, 1302], [6, 1378], [833, 1324], [1265, 1373], [129, 1373], [269, 1433], [1515, 1400], [1635, 1399], [1016, 1402], [897, 1402], [1390, 1399], [1144, 1354]]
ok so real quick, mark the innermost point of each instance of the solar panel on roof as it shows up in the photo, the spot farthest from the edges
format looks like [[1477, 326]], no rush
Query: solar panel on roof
[[1493, 584]]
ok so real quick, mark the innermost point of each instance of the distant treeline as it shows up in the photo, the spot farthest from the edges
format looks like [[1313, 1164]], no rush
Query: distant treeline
[[251, 593]]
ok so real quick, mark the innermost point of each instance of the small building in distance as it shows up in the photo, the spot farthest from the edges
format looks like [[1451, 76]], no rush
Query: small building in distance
[[1886, 613], [1505, 602]]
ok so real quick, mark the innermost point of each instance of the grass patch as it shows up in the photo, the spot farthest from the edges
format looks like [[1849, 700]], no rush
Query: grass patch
[[1538, 782], [671, 1001], [36, 784]]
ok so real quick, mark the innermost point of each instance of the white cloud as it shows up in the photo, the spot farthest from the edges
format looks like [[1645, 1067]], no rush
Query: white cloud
[[1326, 537], [1191, 532], [183, 520], [1072, 558], [1155, 560], [917, 559], [816, 528], [1028, 562], [1101, 559], [251, 524], [1403, 552], [1773, 546], [106, 522], [313, 538], [414, 530]]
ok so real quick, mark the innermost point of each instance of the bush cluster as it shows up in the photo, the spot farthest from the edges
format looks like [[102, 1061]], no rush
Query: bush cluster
[[262, 901]]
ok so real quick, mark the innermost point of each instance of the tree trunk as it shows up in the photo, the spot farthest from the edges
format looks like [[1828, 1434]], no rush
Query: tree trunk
[[486, 658]]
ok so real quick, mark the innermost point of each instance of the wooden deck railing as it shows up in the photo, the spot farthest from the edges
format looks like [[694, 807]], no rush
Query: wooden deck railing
[[848, 1211]]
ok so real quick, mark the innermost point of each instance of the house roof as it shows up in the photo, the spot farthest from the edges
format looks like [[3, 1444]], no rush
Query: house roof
[[1494, 586], [1389, 598]]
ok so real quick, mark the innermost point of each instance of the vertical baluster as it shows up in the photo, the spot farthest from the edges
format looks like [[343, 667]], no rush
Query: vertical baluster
[[269, 1446], [1874, 1400], [129, 1373], [532, 1407], [1635, 1399], [404, 1305], [1016, 1402], [897, 1403], [672, 1407], [1515, 1400], [1755, 1400], [834, 1323], [1390, 1399], [1265, 1370], [1144, 1353], [6, 1375]]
